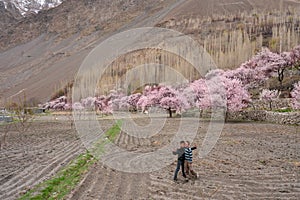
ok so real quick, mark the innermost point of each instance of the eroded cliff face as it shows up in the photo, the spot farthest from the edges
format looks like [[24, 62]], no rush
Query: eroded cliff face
[[233, 31]]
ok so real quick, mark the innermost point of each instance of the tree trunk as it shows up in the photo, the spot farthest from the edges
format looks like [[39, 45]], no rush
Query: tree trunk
[[280, 77], [170, 112], [226, 116]]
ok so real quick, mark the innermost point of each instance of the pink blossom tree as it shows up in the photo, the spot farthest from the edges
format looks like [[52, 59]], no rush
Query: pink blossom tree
[[149, 98], [89, 102], [104, 105], [261, 67], [219, 91], [296, 96], [153, 95], [248, 74], [133, 100], [269, 96], [123, 103], [77, 106], [236, 94], [107, 104], [200, 94], [107, 109], [143, 103], [171, 100], [295, 56], [59, 103], [113, 99], [170, 104], [59, 106]]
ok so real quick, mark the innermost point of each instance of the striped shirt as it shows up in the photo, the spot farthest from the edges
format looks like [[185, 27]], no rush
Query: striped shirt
[[188, 154]]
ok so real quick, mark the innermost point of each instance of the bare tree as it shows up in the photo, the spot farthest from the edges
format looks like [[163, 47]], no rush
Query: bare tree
[[22, 115], [18, 117]]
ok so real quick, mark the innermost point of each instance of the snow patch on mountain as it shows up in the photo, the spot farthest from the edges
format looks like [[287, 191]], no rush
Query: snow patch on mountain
[[32, 6]]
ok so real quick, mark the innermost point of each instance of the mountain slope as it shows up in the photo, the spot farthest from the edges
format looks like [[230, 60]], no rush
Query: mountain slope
[[41, 53], [50, 46]]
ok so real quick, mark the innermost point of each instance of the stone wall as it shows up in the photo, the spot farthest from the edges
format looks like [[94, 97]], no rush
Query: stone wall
[[267, 116], [276, 104], [284, 118], [291, 118]]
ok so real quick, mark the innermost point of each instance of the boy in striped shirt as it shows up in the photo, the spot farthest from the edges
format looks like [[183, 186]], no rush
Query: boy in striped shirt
[[188, 154]]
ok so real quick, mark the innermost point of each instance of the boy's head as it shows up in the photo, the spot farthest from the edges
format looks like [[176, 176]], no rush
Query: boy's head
[[182, 144], [187, 144]]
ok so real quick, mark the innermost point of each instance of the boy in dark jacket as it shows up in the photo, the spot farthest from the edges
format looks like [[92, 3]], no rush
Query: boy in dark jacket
[[180, 160]]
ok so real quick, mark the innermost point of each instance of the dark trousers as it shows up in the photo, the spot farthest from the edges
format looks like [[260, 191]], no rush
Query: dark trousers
[[188, 166], [180, 163]]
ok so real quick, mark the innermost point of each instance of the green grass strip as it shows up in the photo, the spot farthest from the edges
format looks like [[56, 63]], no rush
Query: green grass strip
[[67, 178], [285, 110], [113, 132]]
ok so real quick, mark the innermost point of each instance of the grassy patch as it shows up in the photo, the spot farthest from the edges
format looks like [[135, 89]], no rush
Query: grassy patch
[[113, 132], [285, 110], [66, 179], [109, 136]]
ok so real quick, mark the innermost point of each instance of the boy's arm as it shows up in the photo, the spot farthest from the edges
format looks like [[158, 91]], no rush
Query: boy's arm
[[193, 148], [175, 152]]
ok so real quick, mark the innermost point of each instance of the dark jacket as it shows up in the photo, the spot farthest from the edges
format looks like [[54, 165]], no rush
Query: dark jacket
[[180, 153]]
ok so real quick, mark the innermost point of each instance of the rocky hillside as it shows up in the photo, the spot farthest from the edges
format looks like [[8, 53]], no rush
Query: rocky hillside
[[8, 14], [80, 18], [41, 52], [14, 11]]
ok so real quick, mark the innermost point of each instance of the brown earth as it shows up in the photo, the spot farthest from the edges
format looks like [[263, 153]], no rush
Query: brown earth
[[250, 161], [29, 158]]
